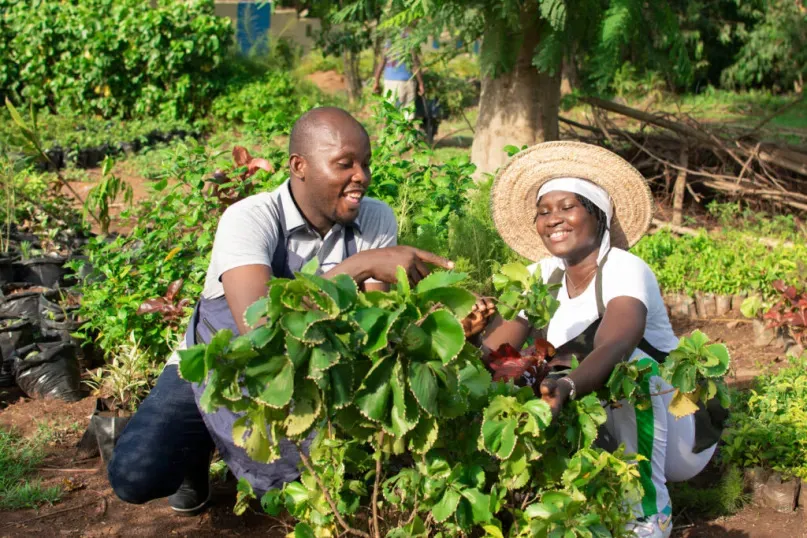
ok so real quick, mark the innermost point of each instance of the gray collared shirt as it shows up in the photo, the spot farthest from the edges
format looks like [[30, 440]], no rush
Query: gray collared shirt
[[249, 229]]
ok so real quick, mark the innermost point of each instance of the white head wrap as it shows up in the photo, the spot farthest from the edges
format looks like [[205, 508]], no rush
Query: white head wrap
[[598, 196]]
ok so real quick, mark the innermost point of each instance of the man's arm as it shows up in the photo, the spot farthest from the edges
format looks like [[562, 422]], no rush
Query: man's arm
[[246, 284], [418, 72]]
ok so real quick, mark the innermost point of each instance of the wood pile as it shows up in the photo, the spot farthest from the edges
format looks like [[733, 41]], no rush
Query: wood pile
[[682, 153]]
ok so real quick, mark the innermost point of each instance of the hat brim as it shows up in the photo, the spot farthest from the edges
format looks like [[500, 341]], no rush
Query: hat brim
[[515, 190]]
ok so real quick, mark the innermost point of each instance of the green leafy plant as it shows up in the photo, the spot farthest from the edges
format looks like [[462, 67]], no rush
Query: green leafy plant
[[406, 416], [768, 427], [522, 291], [695, 369], [113, 66], [101, 196]]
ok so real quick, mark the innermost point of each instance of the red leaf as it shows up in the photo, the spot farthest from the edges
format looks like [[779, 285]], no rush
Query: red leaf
[[151, 306], [259, 164], [241, 156], [173, 288], [505, 351]]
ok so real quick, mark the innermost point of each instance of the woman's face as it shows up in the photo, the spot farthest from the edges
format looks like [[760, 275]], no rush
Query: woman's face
[[566, 228]]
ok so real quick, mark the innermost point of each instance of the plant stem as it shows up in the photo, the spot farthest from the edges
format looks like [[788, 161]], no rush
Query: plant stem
[[375, 486], [321, 484]]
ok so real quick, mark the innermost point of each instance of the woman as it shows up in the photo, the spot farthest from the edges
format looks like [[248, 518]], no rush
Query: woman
[[576, 209]]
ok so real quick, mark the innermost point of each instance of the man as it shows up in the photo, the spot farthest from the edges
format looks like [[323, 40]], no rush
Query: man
[[398, 80], [322, 212]]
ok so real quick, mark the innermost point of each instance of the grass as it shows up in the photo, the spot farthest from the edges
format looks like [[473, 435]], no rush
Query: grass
[[19, 457], [724, 498]]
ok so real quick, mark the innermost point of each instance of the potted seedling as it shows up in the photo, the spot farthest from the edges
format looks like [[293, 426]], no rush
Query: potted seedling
[[229, 191]]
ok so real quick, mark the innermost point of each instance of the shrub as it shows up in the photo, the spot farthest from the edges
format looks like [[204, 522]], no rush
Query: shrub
[[134, 60], [770, 428]]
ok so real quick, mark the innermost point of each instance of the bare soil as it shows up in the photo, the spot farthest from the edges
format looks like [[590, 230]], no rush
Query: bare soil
[[89, 508], [328, 81]]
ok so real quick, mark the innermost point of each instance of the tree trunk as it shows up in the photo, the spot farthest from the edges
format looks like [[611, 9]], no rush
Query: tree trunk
[[680, 187], [350, 61], [516, 108]]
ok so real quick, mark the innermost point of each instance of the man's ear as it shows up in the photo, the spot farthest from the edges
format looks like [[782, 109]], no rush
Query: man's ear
[[297, 165]]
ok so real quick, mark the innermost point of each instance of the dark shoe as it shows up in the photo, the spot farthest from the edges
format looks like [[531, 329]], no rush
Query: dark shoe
[[192, 496]]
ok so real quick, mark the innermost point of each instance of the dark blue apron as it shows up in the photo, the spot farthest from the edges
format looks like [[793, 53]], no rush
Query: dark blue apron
[[213, 315]]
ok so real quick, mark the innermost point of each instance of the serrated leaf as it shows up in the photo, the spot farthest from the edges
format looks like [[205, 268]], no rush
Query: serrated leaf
[[405, 412], [499, 437], [480, 505], [298, 324], [681, 405], [256, 311], [279, 389], [310, 268], [446, 506], [721, 353], [272, 502], [446, 336], [457, 300], [516, 272], [683, 378], [423, 384], [261, 336], [192, 364], [442, 279], [303, 530], [492, 531], [323, 357], [341, 378], [375, 322], [374, 397], [305, 411], [540, 410], [423, 437], [244, 494]]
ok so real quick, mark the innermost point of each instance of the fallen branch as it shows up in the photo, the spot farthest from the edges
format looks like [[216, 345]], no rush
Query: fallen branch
[[683, 230], [58, 512]]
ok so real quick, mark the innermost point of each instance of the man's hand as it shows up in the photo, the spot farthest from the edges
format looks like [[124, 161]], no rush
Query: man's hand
[[421, 88], [555, 394], [382, 264], [477, 320]]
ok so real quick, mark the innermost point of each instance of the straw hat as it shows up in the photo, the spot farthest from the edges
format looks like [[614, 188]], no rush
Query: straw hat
[[515, 190]]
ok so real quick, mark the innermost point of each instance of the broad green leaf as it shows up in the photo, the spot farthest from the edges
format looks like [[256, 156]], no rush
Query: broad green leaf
[[721, 353], [683, 378], [452, 398], [446, 506], [423, 437], [278, 391], [442, 279], [681, 405], [256, 311], [514, 472], [297, 351], [297, 497], [445, 334], [516, 272], [341, 377], [323, 357], [476, 379], [499, 437], [297, 324], [272, 502], [261, 336], [304, 530], [216, 347], [423, 384], [305, 411], [480, 504], [403, 281], [375, 322], [540, 410], [698, 339], [458, 300], [310, 268], [374, 397], [492, 531], [192, 364], [405, 411], [244, 494], [415, 340]]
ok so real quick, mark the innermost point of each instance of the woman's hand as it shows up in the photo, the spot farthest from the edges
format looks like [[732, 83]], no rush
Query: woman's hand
[[555, 394], [477, 320]]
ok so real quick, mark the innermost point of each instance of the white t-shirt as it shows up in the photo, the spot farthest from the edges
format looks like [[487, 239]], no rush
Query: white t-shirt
[[623, 275]]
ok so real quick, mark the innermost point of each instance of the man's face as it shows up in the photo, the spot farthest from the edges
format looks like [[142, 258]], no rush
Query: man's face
[[337, 171]]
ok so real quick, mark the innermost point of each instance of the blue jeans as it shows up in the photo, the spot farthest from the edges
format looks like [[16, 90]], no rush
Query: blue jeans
[[165, 441]]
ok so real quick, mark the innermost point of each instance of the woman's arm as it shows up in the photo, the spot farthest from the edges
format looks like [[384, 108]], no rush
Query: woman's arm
[[621, 330]]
